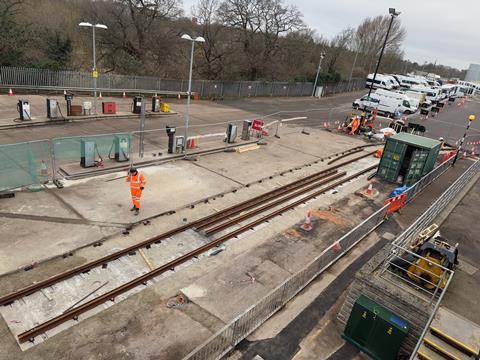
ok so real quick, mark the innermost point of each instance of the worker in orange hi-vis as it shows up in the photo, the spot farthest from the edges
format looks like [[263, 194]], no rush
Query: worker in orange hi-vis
[[355, 124], [137, 184]]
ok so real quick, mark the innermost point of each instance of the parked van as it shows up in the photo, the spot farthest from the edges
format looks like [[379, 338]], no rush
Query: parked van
[[406, 82], [381, 82], [434, 95], [418, 98], [384, 104], [399, 96]]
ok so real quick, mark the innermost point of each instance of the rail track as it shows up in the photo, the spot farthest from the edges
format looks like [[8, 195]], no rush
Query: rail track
[[209, 225]]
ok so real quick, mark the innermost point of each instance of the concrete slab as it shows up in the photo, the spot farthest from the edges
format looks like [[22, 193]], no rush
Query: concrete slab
[[41, 203], [168, 187], [247, 282], [23, 242], [458, 327]]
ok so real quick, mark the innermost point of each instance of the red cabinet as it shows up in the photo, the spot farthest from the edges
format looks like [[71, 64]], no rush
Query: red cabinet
[[109, 107]]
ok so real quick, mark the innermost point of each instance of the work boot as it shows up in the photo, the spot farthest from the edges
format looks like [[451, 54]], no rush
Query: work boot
[[136, 211], [133, 208]]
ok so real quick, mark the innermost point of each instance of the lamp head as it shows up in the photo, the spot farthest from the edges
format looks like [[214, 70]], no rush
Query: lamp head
[[393, 12], [86, 24], [187, 37], [199, 39], [101, 26]]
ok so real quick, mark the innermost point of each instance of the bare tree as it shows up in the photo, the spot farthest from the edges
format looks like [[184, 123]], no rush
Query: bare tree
[[11, 34], [370, 35], [215, 47], [260, 24], [337, 47]]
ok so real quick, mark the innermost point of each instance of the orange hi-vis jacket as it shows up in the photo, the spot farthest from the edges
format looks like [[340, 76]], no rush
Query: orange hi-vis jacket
[[136, 184]]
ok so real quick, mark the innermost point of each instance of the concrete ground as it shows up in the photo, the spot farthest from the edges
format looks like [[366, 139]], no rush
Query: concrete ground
[[270, 252]]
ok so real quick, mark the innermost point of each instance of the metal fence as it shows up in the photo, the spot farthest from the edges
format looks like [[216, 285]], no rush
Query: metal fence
[[239, 328], [29, 78], [24, 164]]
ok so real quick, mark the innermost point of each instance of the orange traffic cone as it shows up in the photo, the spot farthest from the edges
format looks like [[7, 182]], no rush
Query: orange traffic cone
[[179, 97], [100, 96], [124, 96], [193, 143], [370, 189], [336, 247], [10, 92], [307, 225]]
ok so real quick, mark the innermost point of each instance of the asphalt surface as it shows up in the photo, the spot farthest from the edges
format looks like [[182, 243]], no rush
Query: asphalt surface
[[450, 123]]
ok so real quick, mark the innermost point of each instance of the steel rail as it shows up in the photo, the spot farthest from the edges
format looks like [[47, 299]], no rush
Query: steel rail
[[209, 220], [268, 206], [349, 152], [30, 335], [30, 289]]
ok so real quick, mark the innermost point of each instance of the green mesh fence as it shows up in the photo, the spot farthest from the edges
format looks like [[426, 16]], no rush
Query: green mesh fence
[[24, 164], [68, 150]]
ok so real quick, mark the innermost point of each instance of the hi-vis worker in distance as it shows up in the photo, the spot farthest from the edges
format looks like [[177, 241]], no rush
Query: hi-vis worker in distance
[[137, 184]]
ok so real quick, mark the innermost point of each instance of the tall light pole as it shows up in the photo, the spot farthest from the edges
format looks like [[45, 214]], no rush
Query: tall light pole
[[393, 14], [187, 113], [94, 70], [470, 119], [322, 55]]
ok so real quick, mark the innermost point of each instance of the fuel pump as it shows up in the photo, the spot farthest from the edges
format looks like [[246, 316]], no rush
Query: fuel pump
[[137, 105], [52, 108], [171, 138], [155, 104], [23, 108]]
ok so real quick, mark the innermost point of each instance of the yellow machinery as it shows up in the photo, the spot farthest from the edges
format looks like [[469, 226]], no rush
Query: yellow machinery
[[430, 254]]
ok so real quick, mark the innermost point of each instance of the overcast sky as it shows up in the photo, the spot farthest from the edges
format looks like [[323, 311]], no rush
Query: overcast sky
[[441, 30]]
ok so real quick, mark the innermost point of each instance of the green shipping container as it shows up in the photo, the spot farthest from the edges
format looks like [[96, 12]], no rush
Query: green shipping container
[[409, 157], [375, 330]]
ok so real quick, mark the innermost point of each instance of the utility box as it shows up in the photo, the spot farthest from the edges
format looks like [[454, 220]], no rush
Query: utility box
[[231, 133], [171, 135], [122, 147], [375, 330], [52, 108], [87, 153], [407, 157], [155, 104], [23, 107], [247, 124], [109, 107], [179, 143], [137, 105], [87, 107]]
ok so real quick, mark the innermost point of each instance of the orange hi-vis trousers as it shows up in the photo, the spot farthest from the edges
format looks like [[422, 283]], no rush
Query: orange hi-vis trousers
[[136, 184]]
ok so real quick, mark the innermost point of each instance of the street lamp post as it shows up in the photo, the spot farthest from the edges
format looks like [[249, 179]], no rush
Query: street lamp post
[[187, 112], [94, 70], [470, 119], [322, 55], [393, 14]]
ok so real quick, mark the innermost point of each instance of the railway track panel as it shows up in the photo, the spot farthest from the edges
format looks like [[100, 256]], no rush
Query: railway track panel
[[195, 224], [129, 267]]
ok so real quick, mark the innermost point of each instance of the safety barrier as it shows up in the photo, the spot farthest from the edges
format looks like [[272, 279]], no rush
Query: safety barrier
[[25, 164], [45, 79], [240, 327]]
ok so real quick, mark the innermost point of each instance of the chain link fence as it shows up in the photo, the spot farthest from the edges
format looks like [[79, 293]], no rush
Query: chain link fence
[[25, 164], [239, 328], [64, 80]]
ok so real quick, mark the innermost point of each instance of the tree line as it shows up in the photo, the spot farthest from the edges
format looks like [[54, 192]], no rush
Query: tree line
[[244, 40]]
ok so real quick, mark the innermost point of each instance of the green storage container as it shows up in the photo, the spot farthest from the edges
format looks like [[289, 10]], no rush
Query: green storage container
[[408, 156], [375, 330]]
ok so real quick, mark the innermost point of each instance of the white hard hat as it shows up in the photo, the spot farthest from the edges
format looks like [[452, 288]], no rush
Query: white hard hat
[[441, 139]]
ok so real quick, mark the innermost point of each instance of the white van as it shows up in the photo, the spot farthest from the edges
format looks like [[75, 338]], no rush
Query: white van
[[407, 82], [381, 82], [400, 96], [418, 98], [384, 104], [434, 95]]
